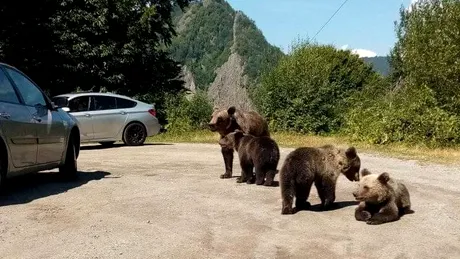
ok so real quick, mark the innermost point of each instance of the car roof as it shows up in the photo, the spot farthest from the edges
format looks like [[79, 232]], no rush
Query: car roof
[[72, 95]]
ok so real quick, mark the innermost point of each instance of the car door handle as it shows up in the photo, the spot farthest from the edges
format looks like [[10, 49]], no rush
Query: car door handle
[[87, 115], [5, 115], [123, 112]]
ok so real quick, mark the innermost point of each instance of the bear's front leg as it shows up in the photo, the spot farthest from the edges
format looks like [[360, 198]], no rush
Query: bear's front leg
[[227, 153], [386, 214], [361, 214]]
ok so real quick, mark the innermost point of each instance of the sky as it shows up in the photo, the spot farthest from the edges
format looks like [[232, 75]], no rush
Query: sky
[[363, 26]]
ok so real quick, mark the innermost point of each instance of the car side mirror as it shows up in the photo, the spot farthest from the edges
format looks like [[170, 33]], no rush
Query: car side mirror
[[66, 109]]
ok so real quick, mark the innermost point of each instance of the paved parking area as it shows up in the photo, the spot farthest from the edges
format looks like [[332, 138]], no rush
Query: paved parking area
[[167, 201]]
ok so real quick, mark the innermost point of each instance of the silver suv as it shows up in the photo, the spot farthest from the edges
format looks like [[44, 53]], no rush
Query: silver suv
[[34, 134], [107, 118]]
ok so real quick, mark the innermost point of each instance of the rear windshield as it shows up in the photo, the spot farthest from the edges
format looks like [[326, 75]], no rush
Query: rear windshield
[[60, 101]]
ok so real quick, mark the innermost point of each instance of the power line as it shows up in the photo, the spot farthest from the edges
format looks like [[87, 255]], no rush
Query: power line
[[344, 2]]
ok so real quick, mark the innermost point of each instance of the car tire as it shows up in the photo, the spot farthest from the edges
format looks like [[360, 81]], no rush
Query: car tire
[[134, 134], [107, 143], [69, 168]]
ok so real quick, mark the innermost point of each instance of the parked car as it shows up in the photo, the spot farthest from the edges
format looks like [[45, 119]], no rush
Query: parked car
[[107, 118], [35, 135]]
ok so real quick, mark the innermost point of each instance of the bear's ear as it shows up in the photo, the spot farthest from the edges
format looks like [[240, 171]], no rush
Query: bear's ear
[[239, 134], [384, 177], [231, 110], [351, 153], [365, 172]]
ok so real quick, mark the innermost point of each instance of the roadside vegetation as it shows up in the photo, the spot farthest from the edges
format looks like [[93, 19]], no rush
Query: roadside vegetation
[[315, 94], [318, 94]]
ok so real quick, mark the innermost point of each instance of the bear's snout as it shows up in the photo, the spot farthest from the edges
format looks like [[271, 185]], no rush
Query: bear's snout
[[212, 126]]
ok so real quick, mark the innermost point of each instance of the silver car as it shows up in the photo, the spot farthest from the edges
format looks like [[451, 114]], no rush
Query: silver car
[[107, 118], [35, 135]]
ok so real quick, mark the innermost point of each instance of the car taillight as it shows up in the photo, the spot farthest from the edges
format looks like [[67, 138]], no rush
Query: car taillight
[[153, 112]]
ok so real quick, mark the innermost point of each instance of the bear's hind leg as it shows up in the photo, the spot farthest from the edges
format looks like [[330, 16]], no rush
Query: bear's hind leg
[[302, 191], [326, 192], [260, 176], [269, 177]]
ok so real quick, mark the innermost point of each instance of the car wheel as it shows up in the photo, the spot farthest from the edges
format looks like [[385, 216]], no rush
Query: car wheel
[[69, 168], [107, 143], [135, 134]]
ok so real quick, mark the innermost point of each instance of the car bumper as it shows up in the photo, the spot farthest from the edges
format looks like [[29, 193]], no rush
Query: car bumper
[[153, 127]]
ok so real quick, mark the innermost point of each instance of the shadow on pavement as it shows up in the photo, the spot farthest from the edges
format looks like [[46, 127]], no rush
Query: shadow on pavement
[[117, 145], [26, 188]]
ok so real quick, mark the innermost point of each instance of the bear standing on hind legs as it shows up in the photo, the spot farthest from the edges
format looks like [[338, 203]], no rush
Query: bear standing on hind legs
[[227, 121], [320, 165], [259, 152]]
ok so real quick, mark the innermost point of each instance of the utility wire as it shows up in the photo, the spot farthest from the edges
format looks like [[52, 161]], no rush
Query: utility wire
[[344, 2]]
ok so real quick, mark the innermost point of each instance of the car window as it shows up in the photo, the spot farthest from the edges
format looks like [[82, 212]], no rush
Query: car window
[[28, 90], [125, 103], [7, 93], [103, 103], [79, 104], [60, 101]]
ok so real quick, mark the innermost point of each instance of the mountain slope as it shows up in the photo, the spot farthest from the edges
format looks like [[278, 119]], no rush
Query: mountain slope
[[380, 64], [223, 51]]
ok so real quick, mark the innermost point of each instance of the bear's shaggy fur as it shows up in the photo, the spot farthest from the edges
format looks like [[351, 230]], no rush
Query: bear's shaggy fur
[[320, 165], [382, 199], [259, 152], [227, 121]]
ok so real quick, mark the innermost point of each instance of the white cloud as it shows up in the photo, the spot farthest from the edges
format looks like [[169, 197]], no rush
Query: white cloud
[[360, 52], [364, 53]]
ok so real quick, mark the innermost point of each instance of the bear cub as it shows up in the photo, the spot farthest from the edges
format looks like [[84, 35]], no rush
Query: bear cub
[[320, 165], [259, 152], [382, 198]]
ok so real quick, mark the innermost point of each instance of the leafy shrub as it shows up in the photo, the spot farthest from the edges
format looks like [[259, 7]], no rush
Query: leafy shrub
[[308, 90], [410, 115], [185, 113]]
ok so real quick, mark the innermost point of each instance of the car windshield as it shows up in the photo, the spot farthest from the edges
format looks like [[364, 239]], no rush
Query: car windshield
[[60, 101]]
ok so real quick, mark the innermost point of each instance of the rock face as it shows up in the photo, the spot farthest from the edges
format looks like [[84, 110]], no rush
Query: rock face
[[231, 83], [222, 50], [230, 86]]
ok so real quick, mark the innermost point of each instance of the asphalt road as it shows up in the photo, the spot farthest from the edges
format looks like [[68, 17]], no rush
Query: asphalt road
[[167, 201]]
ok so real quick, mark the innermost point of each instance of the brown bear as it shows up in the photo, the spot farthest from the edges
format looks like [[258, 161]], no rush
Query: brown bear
[[227, 121], [320, 165], [382, 199], [261, 153]]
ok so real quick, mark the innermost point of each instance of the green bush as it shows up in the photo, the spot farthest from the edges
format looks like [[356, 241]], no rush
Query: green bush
[[308, 90], [410, 115], [185, 113]]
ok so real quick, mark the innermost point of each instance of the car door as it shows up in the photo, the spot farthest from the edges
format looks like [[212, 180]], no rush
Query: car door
[[50, 127], [79, 108], [108, 121], [18, 128]]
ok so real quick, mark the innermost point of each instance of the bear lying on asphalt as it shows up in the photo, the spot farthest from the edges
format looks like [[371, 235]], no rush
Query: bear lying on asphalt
[[259, 152], [382, 199], [320, 165], [227, 121]]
